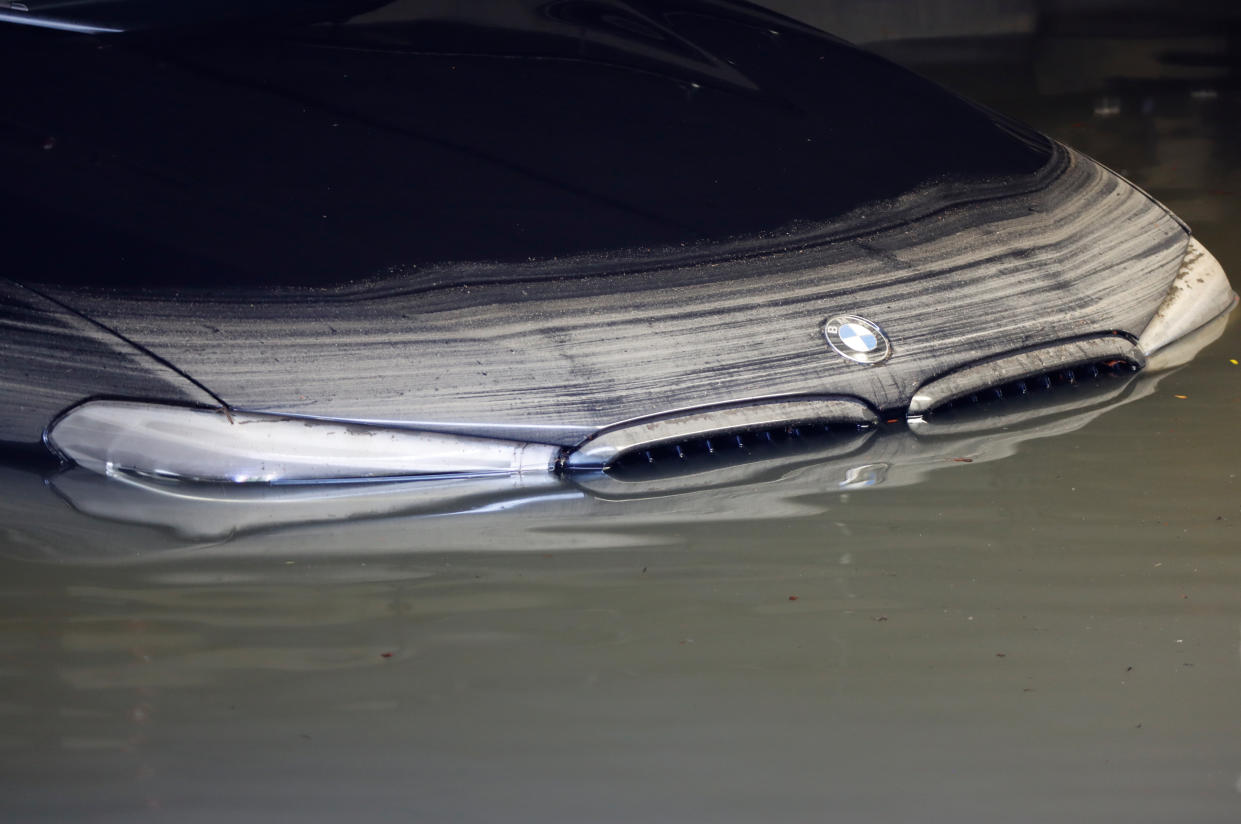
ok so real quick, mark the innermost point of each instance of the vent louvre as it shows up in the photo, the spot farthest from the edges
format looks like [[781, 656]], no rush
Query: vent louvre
[[690, 431], [1028, 371], [1081, 376], [700, 454]]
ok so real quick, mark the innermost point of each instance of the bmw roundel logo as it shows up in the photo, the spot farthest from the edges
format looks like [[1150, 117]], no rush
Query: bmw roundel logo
[[857, 339]]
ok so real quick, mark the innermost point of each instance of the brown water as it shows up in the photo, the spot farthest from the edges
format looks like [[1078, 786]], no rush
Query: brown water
[[1049, 630]]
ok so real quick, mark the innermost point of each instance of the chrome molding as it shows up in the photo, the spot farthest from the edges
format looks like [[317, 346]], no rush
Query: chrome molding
[[1199, 293], [1024, 364], [604, 447], [1182, 350], [215, 445]]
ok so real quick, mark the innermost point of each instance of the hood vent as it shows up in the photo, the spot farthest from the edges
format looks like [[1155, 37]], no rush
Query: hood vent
[[706, 454], [1044, 392], [1028, 372], [715, 431]]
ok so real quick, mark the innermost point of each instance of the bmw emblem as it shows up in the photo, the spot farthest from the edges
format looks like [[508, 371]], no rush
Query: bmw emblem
[[857, 339]]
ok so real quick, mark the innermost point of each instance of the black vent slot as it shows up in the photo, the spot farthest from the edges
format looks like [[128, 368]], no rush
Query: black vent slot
[[1083, 379], [701, 454]]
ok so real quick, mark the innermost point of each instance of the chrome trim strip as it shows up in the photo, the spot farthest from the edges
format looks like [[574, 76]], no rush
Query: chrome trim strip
[[1199, 293], [1182, 350], [604, 447], [1020, 365], [219, 446]]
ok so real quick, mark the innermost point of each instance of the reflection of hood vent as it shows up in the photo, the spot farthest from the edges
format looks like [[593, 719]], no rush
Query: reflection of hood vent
[[1029, 372]]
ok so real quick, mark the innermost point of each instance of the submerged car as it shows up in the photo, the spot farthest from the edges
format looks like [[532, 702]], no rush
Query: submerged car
[[294, 242]]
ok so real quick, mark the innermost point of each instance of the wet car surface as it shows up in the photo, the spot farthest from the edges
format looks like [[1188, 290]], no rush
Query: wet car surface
[[409, 239]]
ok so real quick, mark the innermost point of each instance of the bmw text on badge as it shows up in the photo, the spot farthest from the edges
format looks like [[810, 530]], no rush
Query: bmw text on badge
[[857, 339]]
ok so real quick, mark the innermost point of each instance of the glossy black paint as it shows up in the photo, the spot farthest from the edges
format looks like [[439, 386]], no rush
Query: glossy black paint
[[350, 140]]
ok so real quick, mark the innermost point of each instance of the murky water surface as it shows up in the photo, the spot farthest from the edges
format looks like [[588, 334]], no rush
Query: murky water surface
[[1017, 625]]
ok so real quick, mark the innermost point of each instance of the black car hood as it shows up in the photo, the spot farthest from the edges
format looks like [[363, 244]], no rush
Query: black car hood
[[364, 138], [534, 219]]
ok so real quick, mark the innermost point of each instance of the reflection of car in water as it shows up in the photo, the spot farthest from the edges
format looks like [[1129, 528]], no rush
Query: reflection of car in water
[[342, 240]]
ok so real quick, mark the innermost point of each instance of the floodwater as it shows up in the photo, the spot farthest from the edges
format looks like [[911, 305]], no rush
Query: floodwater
[[1037, 621]]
